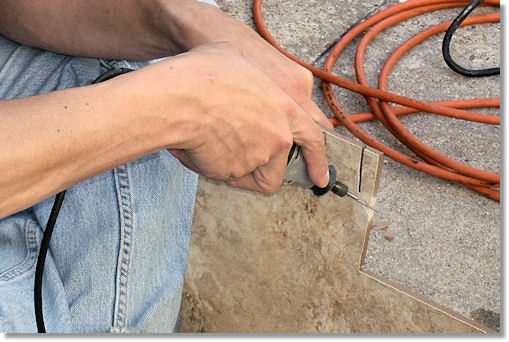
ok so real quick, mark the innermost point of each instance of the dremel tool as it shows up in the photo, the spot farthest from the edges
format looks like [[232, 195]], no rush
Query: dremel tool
[[297, 174]]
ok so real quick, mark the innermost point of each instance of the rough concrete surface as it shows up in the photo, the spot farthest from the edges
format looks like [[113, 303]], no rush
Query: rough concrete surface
[[446, 238], [442, 240]]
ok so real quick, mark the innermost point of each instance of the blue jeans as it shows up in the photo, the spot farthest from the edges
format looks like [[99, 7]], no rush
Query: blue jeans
[[118, 254]]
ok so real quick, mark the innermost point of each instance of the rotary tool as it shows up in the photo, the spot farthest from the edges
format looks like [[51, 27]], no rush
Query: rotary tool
[[297, 174]]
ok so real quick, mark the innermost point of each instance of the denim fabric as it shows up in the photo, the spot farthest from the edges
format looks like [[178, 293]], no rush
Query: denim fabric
[[118, 254]]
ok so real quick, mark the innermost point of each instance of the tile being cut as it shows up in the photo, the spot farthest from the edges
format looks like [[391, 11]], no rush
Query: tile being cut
[[440, 240], [289, 273], [290, 262]]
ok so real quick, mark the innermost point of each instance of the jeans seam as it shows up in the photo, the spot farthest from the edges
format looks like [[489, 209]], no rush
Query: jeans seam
[[125, 244], [29, 261]]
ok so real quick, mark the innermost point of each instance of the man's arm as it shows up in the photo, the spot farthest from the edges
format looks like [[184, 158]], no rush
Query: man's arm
[[231, 97], [127, 29], [210, 107], [142, 30]]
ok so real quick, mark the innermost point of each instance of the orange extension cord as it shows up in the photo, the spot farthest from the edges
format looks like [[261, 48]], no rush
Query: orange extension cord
[[433, 162]]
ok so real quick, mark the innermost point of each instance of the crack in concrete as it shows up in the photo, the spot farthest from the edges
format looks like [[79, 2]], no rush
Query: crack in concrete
[[368, 14]]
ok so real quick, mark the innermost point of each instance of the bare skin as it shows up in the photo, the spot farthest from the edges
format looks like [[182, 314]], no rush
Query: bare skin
[[228, 108]]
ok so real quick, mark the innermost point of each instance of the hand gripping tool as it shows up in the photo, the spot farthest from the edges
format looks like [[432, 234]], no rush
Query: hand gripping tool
[[297, 174]]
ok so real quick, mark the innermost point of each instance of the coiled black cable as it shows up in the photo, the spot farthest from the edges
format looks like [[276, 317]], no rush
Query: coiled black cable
[[57, 204], [447, 42]]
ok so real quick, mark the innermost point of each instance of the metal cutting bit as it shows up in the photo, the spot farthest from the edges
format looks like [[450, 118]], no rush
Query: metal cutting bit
[[341, 190], [297, 174]]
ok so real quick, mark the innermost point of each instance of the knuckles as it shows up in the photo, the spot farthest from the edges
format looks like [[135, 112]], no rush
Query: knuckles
[[284, 142], [238, 172]]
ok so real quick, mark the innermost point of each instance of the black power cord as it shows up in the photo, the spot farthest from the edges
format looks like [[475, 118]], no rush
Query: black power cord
[[59, 199], [447, 42]]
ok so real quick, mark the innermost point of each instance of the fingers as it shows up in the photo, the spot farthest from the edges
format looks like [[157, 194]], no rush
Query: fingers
[[283, 118], [300, 89], [310, 107], [308, 135], [318, 169], [267, 178], [305, 101]]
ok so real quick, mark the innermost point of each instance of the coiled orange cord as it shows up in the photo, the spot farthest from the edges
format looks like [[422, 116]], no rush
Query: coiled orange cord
[[433, 162]]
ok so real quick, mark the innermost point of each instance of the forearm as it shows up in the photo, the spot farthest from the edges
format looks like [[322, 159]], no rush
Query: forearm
[[105, 125], [128, 29], [53, 141]]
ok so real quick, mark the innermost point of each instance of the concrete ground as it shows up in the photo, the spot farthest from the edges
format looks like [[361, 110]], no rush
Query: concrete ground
[[442, 240]]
